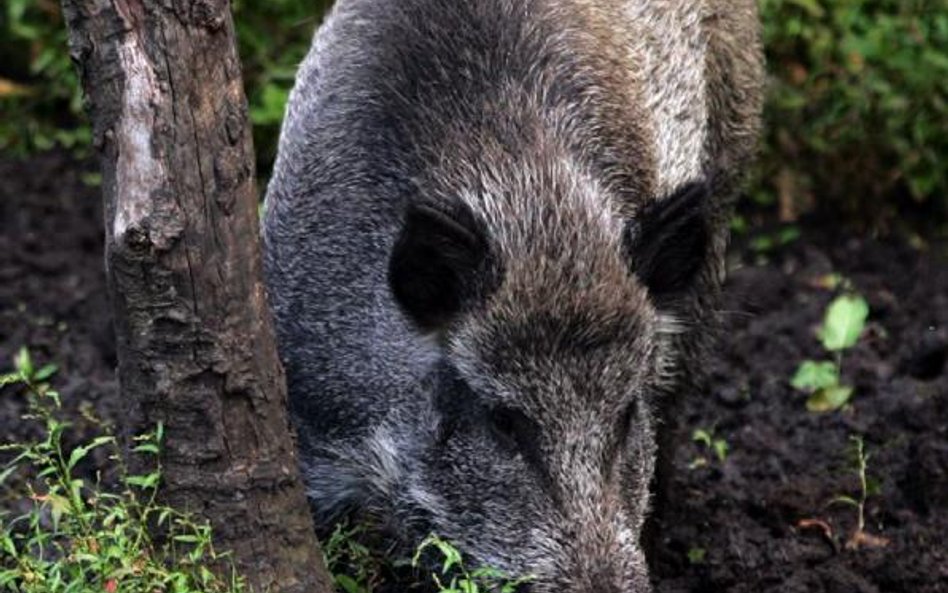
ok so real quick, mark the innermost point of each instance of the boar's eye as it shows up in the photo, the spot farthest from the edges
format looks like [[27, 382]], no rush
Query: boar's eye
[[515, 431], [623, 431], [453, 398], [625, 422]]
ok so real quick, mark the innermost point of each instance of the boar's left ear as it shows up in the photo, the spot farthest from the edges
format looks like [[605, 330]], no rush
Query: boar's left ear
[[668, 240], [440, 264]]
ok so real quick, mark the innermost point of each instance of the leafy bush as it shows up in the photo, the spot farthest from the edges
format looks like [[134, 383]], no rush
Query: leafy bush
[[273, 37], [858, 109], [39, 90], [857, 115]]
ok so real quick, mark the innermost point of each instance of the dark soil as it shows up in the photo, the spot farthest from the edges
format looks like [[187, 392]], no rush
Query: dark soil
[[759, 521], [52, 283], [748, 515]]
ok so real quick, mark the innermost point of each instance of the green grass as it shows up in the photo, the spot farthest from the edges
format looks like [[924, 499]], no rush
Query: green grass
[[80, 535]]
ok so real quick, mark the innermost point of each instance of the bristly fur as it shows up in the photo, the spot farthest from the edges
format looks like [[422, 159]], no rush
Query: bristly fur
[[494, 239]]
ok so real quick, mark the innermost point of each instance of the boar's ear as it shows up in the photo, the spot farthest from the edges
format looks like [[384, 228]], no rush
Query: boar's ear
[[440, 264], [668, 240]]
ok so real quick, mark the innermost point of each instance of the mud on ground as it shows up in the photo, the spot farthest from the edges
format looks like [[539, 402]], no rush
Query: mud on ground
[[758, 521]]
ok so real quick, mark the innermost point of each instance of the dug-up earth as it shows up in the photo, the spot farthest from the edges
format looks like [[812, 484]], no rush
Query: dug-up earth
[[755, 518]]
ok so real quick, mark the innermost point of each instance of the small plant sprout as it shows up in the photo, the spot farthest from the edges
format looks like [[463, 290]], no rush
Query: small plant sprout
[[697, 555], [859, 537], [456, 578], [707, 439], [832, 281], [843, 324]]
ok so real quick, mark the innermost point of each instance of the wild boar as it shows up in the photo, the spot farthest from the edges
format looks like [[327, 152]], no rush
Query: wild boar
[[494, 238]]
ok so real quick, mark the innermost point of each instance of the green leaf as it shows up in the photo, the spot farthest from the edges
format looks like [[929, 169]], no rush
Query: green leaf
[[488, 572], [812, 376], [7, 471], [6, 544], [844, 322], [348, 584], [79, 453], [698, 462], [843, 499], [272, 105], [452, 557], [702, 436], [762, 243], [46, 372], [23, 362], [146, 481], [10, 379], [788, 235], [811, 6], [829, 399], [8, 577], [58, 506], [206, 575], [150, 448], [697, 555]]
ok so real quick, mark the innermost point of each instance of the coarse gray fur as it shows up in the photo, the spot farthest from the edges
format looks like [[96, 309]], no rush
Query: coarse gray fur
[[524, 425]]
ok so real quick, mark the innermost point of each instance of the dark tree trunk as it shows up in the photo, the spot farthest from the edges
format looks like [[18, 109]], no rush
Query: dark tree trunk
[[195, 340]]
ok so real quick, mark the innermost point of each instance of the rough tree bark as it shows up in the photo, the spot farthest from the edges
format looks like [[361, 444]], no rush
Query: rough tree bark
[[195, 340]]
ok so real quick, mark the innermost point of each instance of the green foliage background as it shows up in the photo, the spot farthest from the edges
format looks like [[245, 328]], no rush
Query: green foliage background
[[858, 107], [856, 122]]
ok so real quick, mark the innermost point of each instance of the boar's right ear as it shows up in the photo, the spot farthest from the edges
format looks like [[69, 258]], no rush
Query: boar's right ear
[[440, 264]]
